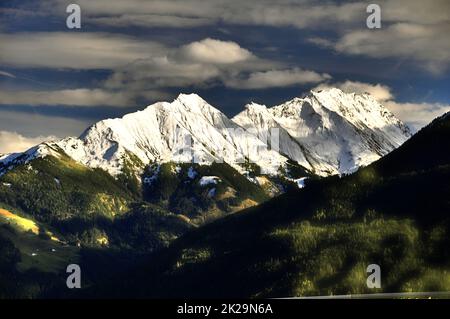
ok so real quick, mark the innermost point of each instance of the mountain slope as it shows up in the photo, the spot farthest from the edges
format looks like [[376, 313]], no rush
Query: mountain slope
[[259, 120], [200, 192], [55, 187], [329, 131], [319, 240]]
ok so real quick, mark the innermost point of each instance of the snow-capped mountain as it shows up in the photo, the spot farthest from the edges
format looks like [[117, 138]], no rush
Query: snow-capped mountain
[[186, 130], [329, 131], [326, 132]]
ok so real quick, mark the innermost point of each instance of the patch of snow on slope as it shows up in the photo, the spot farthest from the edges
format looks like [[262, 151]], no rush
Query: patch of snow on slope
[[301, 182], [207, 180]]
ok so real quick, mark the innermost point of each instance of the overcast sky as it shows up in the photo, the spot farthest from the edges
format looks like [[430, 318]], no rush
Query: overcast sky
[[128, 54]]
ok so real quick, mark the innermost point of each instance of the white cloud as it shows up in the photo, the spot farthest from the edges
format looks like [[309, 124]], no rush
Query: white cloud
[[141, 68], [214, 52], [429, 45], [298, 13], [322, 42], [138, 65], [34, 124], [161, 72], [416, 11], [7, 74], [79, 97], [149, 21], [74, 50], [117, 8], [13, 142], [412, 30], [277, 78], [207, 62], [419, 29], [417, 115]]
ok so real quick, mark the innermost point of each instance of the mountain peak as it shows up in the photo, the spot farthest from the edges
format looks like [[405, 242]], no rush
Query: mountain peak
[[332, 90], [191, 99], [193, 103]]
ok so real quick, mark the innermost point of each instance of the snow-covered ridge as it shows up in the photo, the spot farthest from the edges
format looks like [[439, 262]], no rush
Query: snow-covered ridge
[[328, 132], [8, 161], [207, 180]]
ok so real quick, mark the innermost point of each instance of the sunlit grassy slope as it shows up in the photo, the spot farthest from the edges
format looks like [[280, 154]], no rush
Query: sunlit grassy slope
[[20, 222]]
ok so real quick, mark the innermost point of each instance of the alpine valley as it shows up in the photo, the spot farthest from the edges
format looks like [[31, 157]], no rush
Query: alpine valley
[[179, 193]]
